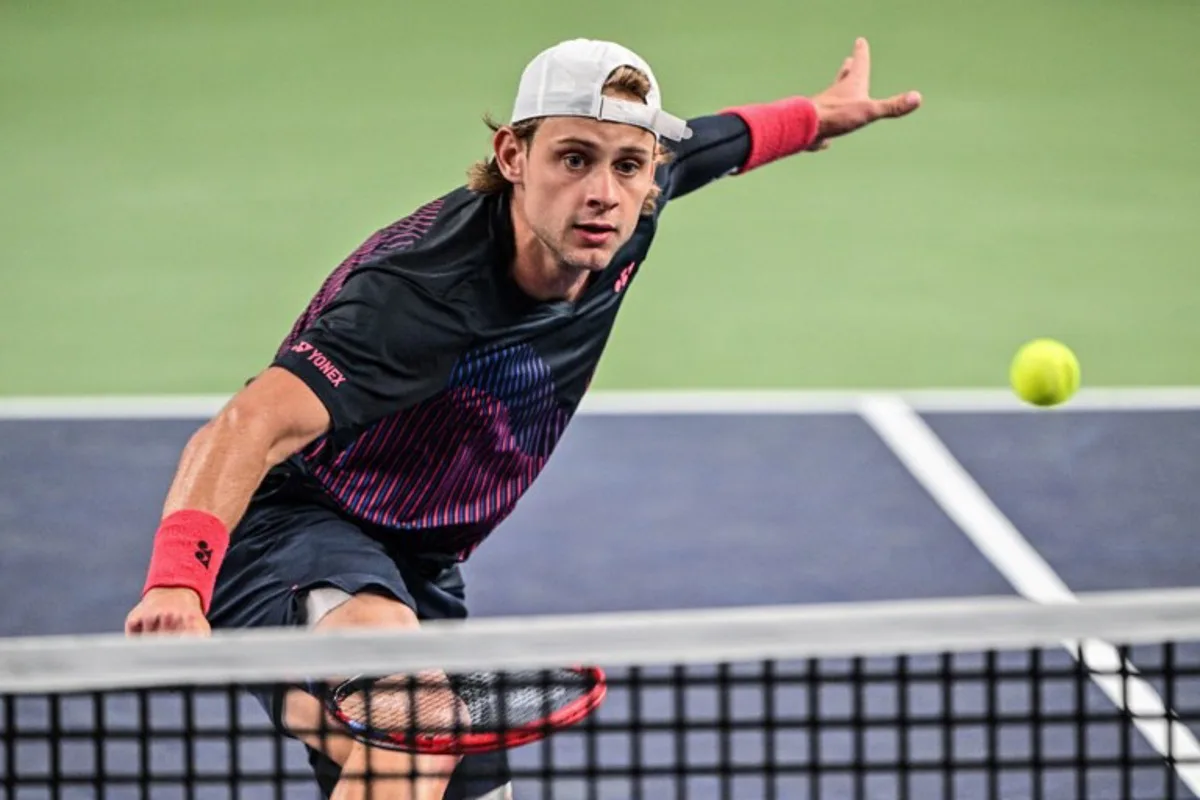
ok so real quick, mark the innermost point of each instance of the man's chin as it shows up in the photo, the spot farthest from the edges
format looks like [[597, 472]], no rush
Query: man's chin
[[587, 259]]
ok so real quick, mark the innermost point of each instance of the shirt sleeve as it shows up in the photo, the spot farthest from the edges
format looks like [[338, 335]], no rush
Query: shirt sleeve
[[384, 343], [738, 140], [718, 146]]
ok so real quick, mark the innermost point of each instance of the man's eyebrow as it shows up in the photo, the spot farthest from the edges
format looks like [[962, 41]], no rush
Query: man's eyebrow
[[629, 149], [575, 140]]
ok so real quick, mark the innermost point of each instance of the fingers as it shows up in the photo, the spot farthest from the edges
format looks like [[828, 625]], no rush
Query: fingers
[[862, 54], [165, 621], [135, 623], [898, 105], [859, 72], [844, 72]]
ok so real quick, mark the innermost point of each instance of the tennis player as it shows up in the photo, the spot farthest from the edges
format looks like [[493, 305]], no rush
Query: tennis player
[[424, 388]]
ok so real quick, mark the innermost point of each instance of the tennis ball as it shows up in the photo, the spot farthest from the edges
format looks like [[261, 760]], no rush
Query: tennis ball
[[1044, 372]]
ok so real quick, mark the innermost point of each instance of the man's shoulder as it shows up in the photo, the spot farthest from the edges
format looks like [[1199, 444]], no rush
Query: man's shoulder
[[465, 218], [448, 216], [440, 242]]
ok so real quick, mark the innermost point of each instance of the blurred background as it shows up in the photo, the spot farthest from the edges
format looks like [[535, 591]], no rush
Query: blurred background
[[179, 177]]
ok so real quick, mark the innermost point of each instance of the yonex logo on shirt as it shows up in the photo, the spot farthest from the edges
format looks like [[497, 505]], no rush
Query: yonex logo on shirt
[[321, 362]]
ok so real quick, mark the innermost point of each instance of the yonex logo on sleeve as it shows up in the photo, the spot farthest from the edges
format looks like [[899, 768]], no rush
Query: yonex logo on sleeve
[[321, 362]]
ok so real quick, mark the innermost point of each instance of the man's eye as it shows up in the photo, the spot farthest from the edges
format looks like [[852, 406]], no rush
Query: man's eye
[[573, 160]]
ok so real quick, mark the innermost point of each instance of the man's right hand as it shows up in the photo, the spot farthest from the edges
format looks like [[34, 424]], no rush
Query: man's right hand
[[270, 419], [168, 611]]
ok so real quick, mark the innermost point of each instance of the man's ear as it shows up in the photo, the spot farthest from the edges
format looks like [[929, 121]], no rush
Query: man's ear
[[510, 155]]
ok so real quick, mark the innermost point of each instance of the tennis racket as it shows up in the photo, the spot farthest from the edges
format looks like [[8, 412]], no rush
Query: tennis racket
[[475, 712]]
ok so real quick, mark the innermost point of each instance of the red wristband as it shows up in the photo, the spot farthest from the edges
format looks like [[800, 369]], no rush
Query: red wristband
[[778, 129], [188, 550]]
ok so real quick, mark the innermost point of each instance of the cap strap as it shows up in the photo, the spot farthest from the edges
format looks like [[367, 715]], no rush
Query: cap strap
[[614, 109]]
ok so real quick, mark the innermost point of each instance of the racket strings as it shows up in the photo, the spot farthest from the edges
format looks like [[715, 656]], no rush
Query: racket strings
[[423, 703], [433, 704], [500, 701]]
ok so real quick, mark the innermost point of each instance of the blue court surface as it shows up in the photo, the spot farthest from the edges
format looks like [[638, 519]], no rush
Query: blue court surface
[[648, 508]]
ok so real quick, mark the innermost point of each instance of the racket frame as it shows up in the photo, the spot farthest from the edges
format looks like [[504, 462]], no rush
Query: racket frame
[[467, 742]]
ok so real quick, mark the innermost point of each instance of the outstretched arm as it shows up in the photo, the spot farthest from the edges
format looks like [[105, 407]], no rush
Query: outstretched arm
[[739, 139]]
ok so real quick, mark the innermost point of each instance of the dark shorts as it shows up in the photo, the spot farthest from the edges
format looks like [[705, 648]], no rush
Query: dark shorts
[[286, 544]]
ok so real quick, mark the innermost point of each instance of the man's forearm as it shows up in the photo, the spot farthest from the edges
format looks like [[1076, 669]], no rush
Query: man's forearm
[[219, 469]]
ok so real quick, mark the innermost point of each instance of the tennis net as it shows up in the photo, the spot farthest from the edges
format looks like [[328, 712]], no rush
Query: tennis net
[[972, 698]]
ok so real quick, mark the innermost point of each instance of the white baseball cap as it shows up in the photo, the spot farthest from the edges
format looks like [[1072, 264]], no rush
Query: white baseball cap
[[567, 80]]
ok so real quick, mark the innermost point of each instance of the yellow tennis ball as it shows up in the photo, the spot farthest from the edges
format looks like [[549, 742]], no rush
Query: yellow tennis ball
[[1044, 372]]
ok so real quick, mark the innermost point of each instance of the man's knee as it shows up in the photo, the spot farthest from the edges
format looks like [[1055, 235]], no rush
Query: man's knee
[[330, 607]]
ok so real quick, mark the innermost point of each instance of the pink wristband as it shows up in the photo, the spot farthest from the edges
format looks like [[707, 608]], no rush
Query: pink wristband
[[778, 129], [188, 550]]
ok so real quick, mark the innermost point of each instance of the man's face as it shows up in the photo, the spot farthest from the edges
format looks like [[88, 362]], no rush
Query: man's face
[[582, 186]]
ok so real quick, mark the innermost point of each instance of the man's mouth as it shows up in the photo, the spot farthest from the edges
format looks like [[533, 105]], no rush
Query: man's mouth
[[595, 232]]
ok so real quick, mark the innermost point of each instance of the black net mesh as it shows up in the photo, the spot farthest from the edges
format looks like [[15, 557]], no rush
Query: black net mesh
[[1022, 723]]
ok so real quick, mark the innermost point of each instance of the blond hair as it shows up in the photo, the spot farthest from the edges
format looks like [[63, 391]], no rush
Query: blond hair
[[485, 177]]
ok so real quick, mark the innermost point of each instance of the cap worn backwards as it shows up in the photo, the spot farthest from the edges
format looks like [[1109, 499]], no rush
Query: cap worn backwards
[[567, 80]]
